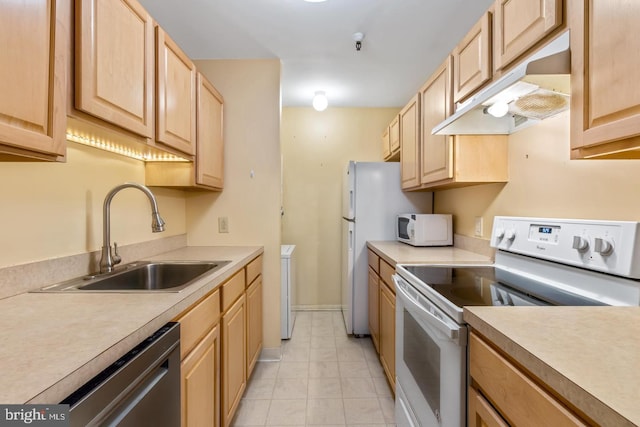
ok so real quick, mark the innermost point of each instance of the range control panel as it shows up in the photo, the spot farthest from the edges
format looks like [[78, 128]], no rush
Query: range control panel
[[609, 246]]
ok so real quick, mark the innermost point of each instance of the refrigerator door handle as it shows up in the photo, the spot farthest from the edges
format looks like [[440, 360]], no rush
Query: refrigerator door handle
[[351, 202], [350, 240]]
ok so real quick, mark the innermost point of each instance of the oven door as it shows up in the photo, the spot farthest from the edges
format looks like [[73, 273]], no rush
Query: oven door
[[431, 362]]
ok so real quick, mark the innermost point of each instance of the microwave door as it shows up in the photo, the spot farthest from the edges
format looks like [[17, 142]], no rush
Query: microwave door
[[403, 228]]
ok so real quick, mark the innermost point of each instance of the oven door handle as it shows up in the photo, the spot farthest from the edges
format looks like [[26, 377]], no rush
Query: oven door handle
[[439, 324]]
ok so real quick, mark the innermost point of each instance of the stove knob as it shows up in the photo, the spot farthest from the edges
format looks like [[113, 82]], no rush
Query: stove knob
[[499, 233], [580, 243], [603, 247], [510, 234]]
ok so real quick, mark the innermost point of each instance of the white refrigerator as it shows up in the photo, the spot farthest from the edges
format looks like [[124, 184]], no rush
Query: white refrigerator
[[371, 200]]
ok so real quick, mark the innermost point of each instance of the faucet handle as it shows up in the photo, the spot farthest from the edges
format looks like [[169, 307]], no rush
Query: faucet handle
[[116, 256]]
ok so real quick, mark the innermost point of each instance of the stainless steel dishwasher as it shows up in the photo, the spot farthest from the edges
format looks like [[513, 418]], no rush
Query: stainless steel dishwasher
[[142, 388]]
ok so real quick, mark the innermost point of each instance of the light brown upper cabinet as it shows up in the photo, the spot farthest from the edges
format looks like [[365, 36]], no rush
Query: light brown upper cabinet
[[410, 144], [394, 135], [521, 24], [391, 140], [605, 95], [210, 142], [452, 161], [175, 95], [114, 63], [206, 172], [33, 58], [436, 154], [472, 66], [386, 148]]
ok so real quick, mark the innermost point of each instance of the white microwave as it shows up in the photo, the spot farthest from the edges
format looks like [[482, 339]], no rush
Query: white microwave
[[425, 229]]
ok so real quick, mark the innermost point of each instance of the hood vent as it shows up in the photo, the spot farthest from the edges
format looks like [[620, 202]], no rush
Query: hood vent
[[535, 90]]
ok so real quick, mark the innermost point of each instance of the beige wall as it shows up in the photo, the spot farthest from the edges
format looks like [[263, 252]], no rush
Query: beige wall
[[544, 182], [50, 210], [316, 147], [251, 90]]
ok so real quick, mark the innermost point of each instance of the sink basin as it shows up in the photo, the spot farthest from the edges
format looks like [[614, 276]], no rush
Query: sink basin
[[157, 276]]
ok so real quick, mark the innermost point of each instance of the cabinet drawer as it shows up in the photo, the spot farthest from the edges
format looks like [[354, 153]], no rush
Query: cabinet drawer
[[386, 271], [232, 289], [373, 260], [254, 269], [197, 322], [520, 400]]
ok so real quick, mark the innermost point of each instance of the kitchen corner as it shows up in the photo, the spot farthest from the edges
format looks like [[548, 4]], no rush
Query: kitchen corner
[[56, 342], [585, 356]]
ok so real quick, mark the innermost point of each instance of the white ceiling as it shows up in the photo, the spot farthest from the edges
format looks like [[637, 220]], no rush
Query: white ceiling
[[404, 41]]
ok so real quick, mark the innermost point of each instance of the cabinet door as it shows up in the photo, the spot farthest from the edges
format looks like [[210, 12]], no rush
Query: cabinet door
[[481, 413], [33, 57], [210, 142], [200, 372], [520, 24], [388, 333], [410, 144], [394, 134], [374, 308], [176, 95], [514, 393], [386, 147], [605, 96], [114, 63], [437, 150], [234, 356], [472, 66], [254, 324]]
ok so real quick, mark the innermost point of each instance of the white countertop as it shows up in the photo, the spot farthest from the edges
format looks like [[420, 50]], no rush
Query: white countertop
[[52, 343]]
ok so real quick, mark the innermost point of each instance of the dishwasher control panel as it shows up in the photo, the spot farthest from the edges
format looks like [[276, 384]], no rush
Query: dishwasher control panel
[[608, 246]]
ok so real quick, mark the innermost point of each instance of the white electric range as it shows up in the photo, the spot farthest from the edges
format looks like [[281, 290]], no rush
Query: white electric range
[[539, 261]]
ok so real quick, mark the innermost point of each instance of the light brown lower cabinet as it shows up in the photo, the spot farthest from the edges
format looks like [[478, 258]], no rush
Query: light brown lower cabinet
[[388, 333], [254, 323], [502, 393], [374, 309], [200, 372], [200, 362], [382, 314], [220, 341], [234, 377]]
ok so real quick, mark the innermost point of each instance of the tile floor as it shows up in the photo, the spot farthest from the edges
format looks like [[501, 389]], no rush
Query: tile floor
[[325, 378]]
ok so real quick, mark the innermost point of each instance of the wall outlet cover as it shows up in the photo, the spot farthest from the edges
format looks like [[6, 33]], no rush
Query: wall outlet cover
[[478, 231], [223, 224]]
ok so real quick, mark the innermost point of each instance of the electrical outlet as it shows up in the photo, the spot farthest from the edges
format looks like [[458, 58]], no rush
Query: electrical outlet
[[223, 224], [478, 226]]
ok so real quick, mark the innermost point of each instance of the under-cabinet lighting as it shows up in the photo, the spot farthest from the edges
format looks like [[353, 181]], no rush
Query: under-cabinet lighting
[[124, 150]]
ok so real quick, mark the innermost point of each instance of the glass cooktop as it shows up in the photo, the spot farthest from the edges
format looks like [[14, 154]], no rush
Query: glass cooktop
[[489, 285]]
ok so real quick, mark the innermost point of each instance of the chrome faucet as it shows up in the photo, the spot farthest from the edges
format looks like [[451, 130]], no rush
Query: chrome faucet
[[109, 260]]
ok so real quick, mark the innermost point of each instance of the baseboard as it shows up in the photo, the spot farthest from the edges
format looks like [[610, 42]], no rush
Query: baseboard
[[316, 307], [270, 355]]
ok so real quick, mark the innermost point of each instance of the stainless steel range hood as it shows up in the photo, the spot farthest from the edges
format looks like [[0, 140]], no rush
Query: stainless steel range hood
[[534, 90]]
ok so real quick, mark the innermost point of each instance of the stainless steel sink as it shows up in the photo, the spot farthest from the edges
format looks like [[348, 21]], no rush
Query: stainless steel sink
[[156, 276]]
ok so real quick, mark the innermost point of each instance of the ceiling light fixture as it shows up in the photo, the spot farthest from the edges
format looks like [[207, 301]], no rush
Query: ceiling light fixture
[[358, 37], [315, 1], [320, 102]]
